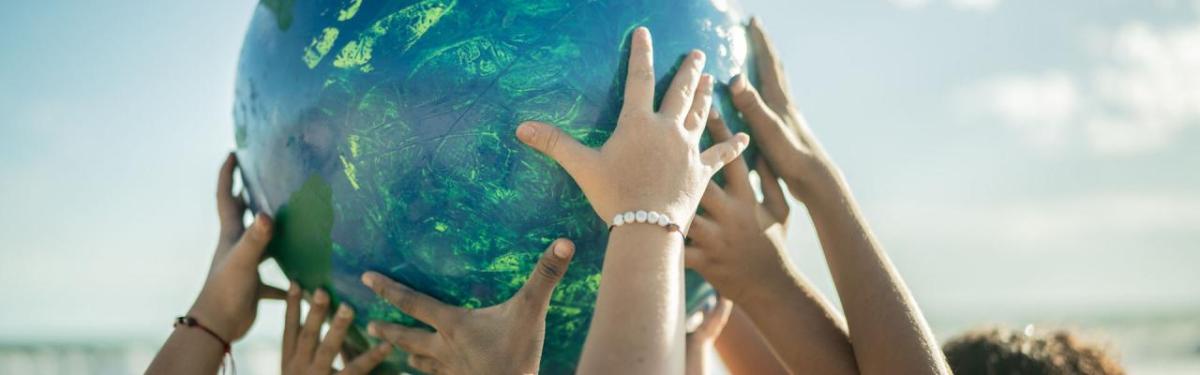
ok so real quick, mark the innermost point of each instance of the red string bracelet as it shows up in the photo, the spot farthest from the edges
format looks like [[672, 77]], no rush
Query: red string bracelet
[[190, 322]]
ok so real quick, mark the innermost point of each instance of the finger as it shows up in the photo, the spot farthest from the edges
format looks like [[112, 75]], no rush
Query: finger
[[715, 319], [770, 68], [364, 363], [409, 339], [269, 292], [678, 98], [331, 344], [307, 341], [714, 198], [717, 156], [248, 251], [423, 363], [229, 207], [551, 141], [702, 105], [702, 231], [291, 321], [773, 198], [693, 257], [547, 273], [411, 302], [768, 128], [639, 81], [737, 174]]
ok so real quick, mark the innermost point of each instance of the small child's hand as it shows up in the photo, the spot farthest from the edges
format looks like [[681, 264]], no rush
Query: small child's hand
[[304, 352], [228, 302], [653, 160], [738, 241], [501, 339]]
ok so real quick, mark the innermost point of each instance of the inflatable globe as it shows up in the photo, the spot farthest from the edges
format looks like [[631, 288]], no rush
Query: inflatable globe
[[380, 135]]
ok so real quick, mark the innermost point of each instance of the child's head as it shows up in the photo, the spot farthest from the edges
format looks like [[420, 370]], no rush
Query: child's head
[[1006, 351]]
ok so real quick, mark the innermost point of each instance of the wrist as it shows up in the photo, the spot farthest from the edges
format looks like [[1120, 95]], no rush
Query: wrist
[[207, 314]]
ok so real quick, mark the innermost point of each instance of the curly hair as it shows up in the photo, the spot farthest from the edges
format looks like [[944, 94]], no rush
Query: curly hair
[[1001, 351]]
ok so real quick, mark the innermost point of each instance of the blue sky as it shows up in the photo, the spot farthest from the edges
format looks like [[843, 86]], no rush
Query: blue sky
[[1016, 157]]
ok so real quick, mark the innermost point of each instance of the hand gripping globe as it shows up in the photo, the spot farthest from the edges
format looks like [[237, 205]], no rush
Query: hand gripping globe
[[380, 135]]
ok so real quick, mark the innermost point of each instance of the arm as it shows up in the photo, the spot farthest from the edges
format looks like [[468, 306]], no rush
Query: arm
[[701, 340], [652, 162], [889, 333], [737, 245], [228, 302], [744, 350]]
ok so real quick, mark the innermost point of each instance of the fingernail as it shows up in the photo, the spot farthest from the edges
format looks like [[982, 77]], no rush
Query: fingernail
[[344, 311], [754, 21], [262, 223], [368, 279], [372, 329], [293, 289], [526, 132], [321, 296], [562, 249], [698, 57], [739, 83]]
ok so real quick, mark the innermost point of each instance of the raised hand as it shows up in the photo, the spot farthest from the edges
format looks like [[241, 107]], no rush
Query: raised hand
[[890, 333], [653, 159], [305, 352], [501, 339], [228, 303], [784, 138], [738, 246], [738, 242]]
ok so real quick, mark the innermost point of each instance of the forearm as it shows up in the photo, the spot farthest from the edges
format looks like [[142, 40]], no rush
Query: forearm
[[638, 323], [888, 330], [696, 358], [188, 351], [799, 325], [744, 350]]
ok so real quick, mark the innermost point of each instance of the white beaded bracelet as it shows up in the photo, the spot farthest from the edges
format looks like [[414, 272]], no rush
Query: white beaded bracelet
[[647, 217]]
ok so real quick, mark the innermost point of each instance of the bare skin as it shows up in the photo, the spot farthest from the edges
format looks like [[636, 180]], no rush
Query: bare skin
[[738, 245], [306, 353], [501, 339], [701, 340], [228, 302], [743, 349], [652, 162], [888, 331]]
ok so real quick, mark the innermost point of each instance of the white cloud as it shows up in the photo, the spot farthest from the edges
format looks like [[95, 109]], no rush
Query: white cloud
[[964, 5], [1144, 90], [1040, 107], [1152, 85], [1081, 221], [909, 4], [974, 5]]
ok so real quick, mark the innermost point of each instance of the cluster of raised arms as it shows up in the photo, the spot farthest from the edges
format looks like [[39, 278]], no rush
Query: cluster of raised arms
[[769, 320]]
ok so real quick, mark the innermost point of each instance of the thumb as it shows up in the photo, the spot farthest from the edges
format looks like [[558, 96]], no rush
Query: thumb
[[553, 142], [549, 270], [248, 251]]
